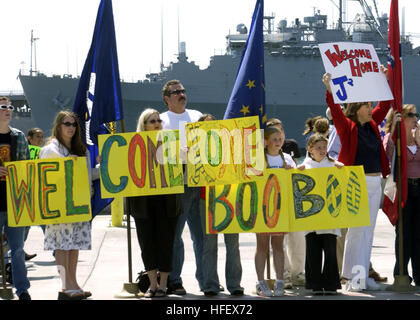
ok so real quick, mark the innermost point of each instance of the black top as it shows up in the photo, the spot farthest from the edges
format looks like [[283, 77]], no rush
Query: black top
[[139, 207], [5, 149], [368, 150], [291, 147]]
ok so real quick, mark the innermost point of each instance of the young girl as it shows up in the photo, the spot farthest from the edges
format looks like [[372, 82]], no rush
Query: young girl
[[321, 280], [275, 158]]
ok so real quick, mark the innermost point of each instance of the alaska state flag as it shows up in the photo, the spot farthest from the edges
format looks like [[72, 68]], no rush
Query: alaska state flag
[[390, 206], [98, 98], [248, 94]]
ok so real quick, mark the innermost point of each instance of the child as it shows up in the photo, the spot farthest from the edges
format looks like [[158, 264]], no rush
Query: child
[[324, 280], [275, 158]]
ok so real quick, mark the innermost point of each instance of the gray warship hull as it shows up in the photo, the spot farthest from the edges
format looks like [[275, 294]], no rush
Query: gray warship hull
[[294, 91]]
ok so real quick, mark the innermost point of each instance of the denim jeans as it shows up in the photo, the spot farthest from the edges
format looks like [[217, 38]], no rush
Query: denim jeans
[[233, 267], [15, 237], [411, 234], [190, 213]]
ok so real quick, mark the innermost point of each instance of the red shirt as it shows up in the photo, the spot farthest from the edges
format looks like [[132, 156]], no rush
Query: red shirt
[[348, 132]]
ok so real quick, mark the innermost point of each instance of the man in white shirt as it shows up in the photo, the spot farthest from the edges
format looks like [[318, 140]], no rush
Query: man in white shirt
[[174, 96]]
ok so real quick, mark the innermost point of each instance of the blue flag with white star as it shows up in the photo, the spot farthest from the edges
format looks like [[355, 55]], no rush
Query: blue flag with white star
[[98, 98], [248, 94]]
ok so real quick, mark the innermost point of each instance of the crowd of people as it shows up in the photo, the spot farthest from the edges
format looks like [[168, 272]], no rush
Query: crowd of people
[[319, 260]]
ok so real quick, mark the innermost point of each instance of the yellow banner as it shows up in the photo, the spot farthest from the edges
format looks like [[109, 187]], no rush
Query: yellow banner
[[48, 191], [140, 164], [223, 151], [290, 200]]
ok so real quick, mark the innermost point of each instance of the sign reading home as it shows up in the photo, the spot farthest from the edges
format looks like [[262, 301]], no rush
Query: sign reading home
[[355, 71]]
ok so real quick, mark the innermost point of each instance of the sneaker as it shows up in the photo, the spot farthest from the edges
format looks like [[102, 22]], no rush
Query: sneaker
[[263, 290], [299, 280], [353, 287], [371, 285], [279, 288], [24, 296]]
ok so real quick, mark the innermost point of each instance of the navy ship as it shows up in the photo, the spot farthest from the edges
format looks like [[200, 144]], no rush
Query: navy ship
[[293, 70]]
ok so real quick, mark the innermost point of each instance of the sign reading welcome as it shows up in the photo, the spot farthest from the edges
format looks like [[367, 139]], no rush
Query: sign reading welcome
[[48, 191], [355, 72], [140, 163], [223, 151]]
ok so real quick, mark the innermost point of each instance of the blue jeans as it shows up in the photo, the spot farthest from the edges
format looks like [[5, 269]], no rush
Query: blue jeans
[[190, 213], [15, 236], [233, 267]]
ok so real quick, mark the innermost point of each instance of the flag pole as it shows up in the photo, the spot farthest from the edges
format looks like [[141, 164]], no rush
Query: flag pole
[[130, 289]]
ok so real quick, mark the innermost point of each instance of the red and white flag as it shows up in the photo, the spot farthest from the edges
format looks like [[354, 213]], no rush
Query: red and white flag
[[390, 206]]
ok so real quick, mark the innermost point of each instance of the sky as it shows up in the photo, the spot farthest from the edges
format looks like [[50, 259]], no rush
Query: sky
[[64, 29]]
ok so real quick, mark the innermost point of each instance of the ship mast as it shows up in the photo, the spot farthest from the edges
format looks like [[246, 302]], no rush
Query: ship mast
[[161, 38], [33, 49]]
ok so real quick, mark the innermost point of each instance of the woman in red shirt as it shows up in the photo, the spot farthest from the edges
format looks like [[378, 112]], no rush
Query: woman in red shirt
[[361, 145]]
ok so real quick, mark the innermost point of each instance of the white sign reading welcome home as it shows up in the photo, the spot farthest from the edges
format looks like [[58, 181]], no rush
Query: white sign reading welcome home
[[355, 72]]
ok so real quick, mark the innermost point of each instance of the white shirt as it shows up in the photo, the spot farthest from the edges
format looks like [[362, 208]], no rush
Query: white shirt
[[176, 121], [276, 162], [325, 163]]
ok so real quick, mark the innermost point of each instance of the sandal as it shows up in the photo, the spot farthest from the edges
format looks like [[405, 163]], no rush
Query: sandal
[[150, 293], [160, 293], [71, 295]]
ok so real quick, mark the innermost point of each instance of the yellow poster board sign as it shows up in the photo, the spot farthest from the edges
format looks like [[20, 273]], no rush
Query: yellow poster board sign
[[48, 191], [223, 151], [290, 200], [140, 164]]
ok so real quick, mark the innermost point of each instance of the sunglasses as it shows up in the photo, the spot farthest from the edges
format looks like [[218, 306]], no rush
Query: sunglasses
[[69, 124], [177, 92], [412, 115], [10, 107], [153, 121]]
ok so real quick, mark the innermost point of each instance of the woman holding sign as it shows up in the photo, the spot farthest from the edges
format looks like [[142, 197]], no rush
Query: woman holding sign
[[155, 218], [67, 238], [361, 145]]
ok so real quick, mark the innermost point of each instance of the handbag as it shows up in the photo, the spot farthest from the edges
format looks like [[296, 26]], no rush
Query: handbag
[[143, 281]]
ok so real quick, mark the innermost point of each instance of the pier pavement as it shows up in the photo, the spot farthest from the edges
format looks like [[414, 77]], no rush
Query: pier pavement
[[104, 269]]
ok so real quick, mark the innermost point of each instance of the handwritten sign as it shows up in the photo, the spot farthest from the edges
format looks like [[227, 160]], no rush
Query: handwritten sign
[[48, 191], [140, 163], [290, 200], [224, 151], [356, 76], [34, 151]]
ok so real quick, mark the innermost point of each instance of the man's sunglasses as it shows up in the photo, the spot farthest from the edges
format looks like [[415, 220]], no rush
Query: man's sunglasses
[[69, 124], [412, 115], [153, 121], [10, 107], [177, 92]]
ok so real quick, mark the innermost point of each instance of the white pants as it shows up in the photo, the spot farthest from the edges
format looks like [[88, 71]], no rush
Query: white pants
[[359, 240], [294, 253]]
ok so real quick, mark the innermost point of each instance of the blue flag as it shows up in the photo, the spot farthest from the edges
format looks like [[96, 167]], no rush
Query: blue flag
[[98, 98], [248, 94]]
